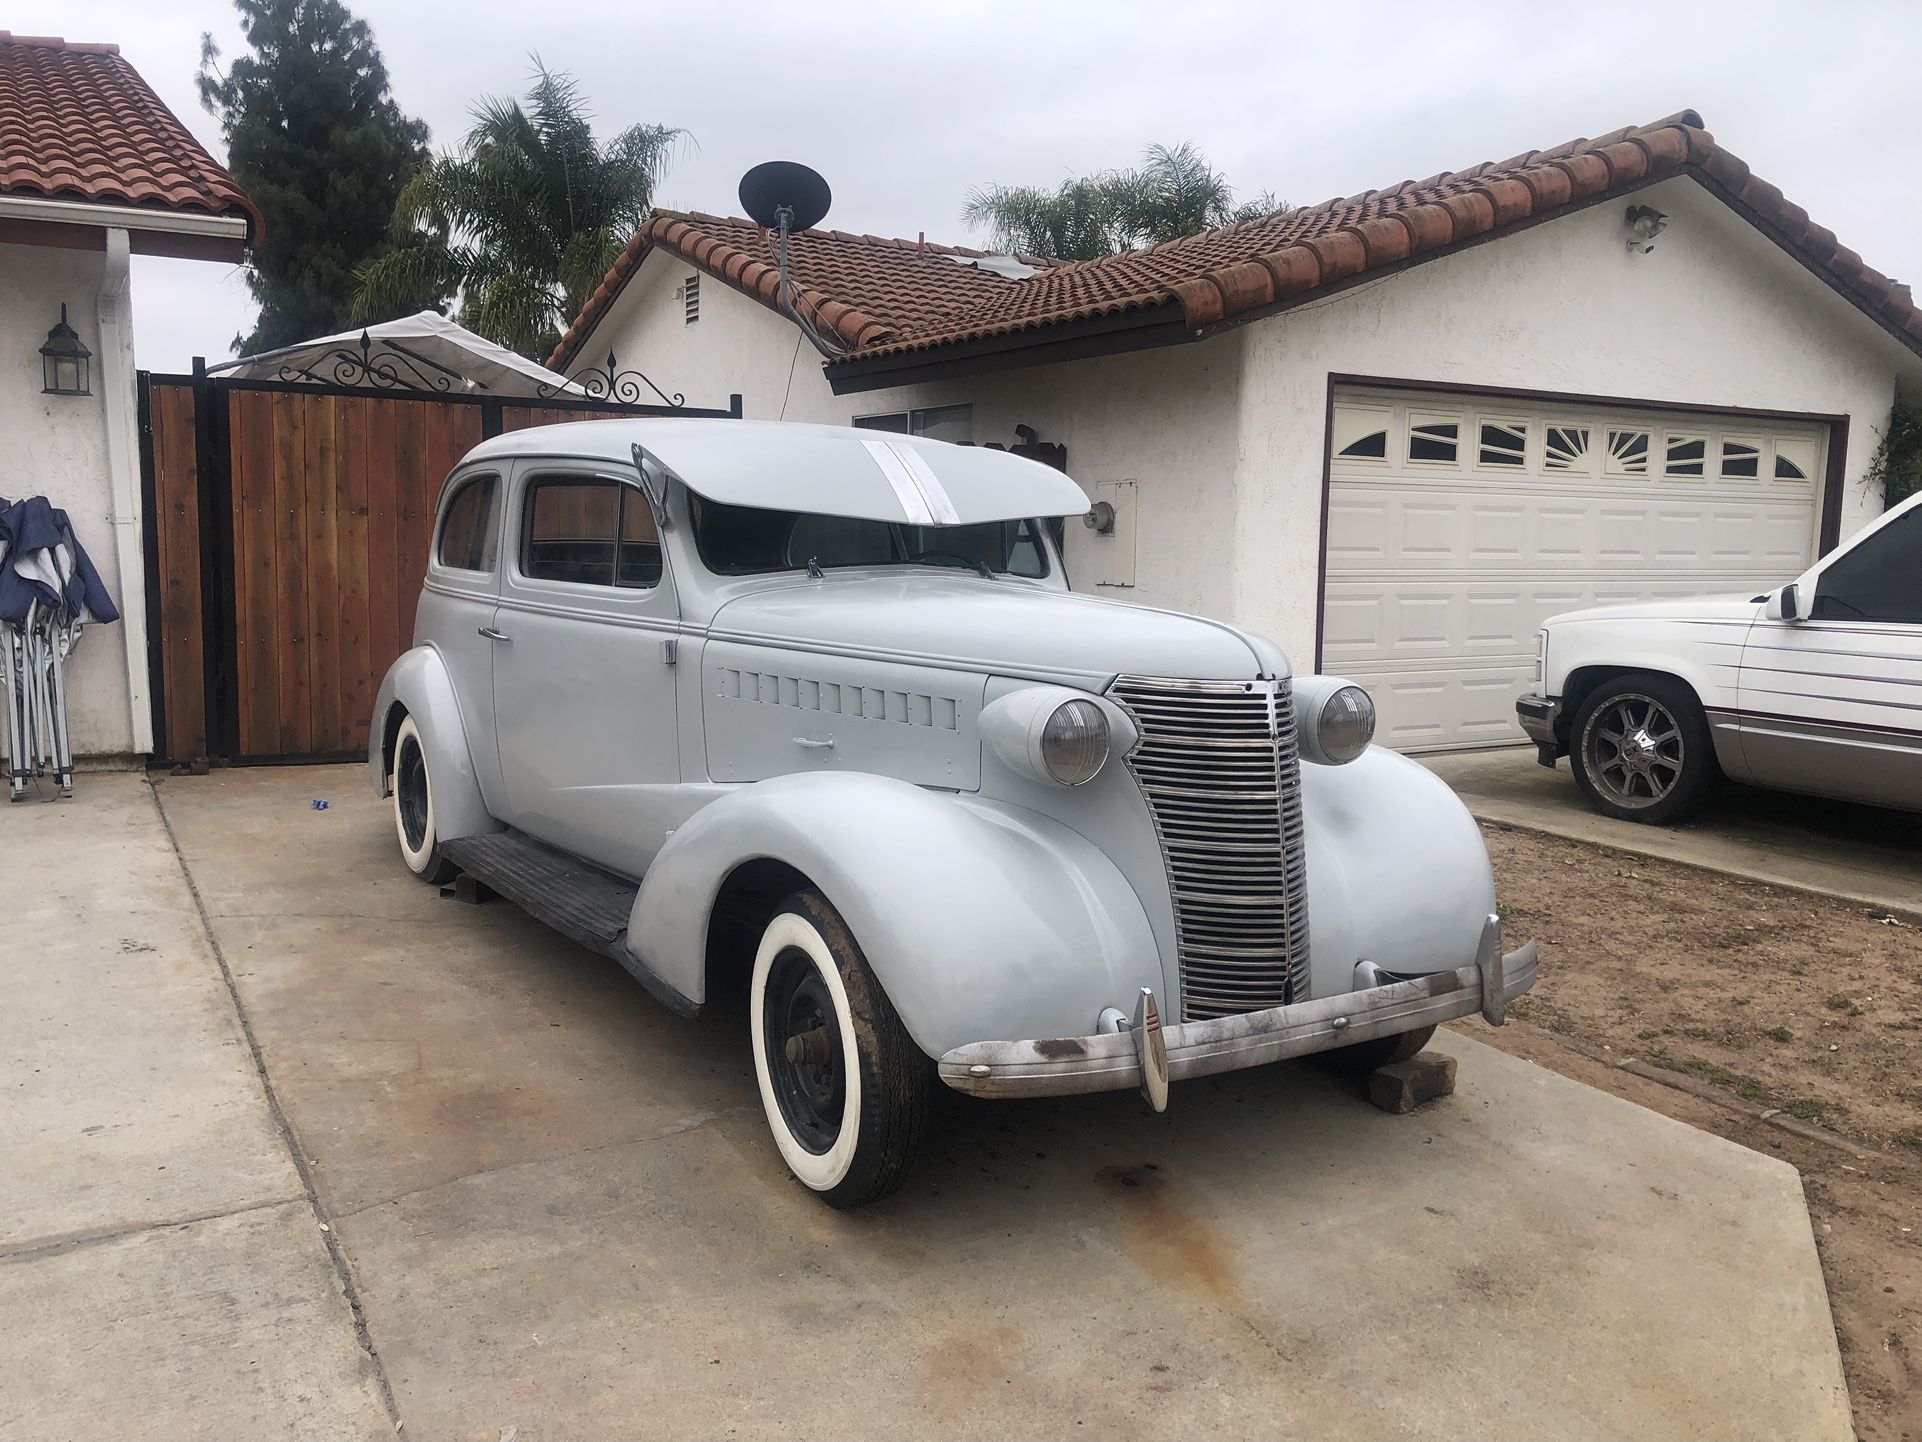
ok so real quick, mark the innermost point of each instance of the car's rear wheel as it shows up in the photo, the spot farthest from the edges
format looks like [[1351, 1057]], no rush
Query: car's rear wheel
[[413, 789], [845, 1088], [1640, 749]]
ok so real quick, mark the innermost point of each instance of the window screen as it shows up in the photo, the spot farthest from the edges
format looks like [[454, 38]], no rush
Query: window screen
[[590, 532], [467, 528], [1879, 580]]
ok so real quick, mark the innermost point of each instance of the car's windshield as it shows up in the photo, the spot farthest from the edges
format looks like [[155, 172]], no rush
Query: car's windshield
[[744, 540]]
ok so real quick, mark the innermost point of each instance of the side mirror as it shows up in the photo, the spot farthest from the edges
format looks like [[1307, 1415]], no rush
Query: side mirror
[[1785, 604]]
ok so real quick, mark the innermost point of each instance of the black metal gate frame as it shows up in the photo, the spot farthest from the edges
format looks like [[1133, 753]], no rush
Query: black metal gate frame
[[213, 468]]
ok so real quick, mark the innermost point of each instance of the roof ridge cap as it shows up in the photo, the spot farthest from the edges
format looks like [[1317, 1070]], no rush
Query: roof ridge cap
[[57, 42]]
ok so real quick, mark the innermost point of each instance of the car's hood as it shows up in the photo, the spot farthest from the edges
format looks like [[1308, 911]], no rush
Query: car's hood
[[1740, 606], [1001, 627]]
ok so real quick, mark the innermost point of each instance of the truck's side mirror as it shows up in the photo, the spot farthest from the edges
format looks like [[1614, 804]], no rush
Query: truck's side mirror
[[1785, 604]]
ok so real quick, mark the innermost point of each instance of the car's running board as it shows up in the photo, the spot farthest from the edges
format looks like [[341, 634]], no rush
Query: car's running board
[[580, 901]]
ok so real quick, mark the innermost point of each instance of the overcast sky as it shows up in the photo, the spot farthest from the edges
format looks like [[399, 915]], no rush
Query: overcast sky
[[904, 107]]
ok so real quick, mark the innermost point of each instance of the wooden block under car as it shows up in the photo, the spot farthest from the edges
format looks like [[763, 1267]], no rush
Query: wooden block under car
[[1402, 1086]]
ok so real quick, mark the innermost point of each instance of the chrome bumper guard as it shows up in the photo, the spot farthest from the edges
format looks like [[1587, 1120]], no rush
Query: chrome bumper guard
[[1115, 1061]]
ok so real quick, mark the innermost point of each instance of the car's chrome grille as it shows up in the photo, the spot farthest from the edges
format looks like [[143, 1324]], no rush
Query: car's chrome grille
[[1218, 765]]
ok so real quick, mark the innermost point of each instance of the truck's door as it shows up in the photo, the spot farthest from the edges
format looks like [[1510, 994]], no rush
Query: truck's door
[[584, 706]]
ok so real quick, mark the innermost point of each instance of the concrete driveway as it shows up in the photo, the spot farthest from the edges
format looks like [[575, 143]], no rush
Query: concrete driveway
[[292, 1146], [1859, 853]]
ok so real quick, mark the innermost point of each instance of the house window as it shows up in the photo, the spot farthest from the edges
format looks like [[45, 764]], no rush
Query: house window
[[939, 423], [1433, 440], [691, 299], [1794, 459], [1628, 453], [1685, 455], [1503, 444], [1741, 458], [1361, 434], [1565, 449]]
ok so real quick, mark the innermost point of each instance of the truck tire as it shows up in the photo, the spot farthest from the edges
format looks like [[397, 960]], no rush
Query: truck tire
[[413, 790], [1641, 751], [845, 1088]]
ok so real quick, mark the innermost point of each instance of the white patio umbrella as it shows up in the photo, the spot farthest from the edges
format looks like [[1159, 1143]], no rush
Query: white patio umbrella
[[424, 352]]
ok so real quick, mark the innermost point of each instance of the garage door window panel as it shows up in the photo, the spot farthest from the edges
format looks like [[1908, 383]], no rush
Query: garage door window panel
[[1360, 434], [1628, 453], [1741, 458], [1565, 448], [1878, 579], [1794, 458], [1434, 440], [1685, 457], [1503, 445]]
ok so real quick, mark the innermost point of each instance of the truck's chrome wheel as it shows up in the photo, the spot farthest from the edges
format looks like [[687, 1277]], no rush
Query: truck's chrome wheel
[[413, 792], [844, 1086], [1635, 750]]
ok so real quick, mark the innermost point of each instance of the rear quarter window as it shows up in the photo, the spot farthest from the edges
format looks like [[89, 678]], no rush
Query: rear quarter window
[[470, 526]]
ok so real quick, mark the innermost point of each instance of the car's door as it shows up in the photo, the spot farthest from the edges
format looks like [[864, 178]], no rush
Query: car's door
[[1833, 704], [584, 668], [458, 598]]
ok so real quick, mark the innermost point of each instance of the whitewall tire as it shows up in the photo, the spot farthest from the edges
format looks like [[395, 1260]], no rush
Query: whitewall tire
[[412, 785], [844, 1086]]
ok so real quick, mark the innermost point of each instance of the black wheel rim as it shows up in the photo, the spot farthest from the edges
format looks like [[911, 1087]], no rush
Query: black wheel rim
[[410, 793], [1634, 751], [803, 1040]]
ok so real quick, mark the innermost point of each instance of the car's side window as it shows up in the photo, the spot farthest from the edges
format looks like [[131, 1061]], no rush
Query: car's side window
[[1878, 579], [469, 527], [589, 531]]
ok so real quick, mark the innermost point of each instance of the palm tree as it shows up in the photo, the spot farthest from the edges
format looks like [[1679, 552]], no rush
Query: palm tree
[[523, 221], [1173, 193]]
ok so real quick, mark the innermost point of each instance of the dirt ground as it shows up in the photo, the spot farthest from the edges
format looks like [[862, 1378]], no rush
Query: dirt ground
[[1751, 1000]]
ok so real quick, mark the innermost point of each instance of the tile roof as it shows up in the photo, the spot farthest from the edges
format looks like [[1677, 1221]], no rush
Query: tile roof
[[892, 298], [78, 123]]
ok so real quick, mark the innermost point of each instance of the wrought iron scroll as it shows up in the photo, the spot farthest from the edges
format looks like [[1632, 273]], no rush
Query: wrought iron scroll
[[393, 367], [610, 383]]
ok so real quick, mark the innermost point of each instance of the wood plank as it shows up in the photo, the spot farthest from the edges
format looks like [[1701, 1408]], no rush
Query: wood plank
[[296, 732], [250, 430], [177, 546], [358, 682], [383, 577], [410, 560], [323, 588]]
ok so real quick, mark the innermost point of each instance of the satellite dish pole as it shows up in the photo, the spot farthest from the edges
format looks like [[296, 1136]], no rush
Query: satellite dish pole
[[783, 196]]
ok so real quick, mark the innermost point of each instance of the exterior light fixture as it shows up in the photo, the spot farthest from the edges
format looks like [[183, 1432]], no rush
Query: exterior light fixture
[[64, 361], [1644, 223]]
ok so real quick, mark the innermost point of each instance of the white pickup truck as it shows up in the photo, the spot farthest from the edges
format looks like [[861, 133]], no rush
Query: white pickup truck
[[1813, 687]]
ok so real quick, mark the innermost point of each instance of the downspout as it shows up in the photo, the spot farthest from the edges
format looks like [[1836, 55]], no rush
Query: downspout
[[114, 311]]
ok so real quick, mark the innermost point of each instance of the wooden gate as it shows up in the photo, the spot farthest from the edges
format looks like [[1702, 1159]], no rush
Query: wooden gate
[[287, 537]]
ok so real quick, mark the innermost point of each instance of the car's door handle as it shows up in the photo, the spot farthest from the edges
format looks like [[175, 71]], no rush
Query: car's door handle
[[491, 634], [812, 745]]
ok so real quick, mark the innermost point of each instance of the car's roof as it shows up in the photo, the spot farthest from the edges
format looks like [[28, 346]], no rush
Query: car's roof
[[828, 470]]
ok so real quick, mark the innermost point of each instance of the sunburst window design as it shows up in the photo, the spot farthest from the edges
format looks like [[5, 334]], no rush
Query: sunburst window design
[[1628, 453], [1794, 459], [1503, 443], [1565, 448]]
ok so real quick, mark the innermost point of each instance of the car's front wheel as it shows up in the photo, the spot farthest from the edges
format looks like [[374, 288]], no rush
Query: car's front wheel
[[413, 790], [1641, 751], [845, 1087]]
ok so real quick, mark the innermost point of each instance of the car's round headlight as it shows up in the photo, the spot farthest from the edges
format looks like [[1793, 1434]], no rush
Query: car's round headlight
[[1346, 724], [1074, 743]]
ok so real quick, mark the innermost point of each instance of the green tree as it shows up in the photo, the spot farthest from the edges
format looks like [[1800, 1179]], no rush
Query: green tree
[[524, 220], [1174, 192], [314, 136]]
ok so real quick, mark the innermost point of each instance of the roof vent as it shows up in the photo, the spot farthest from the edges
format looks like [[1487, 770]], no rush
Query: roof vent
[[691, 298]]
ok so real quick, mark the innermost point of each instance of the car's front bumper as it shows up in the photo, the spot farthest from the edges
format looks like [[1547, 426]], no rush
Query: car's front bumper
[[1113, 1061], [1541, 718]]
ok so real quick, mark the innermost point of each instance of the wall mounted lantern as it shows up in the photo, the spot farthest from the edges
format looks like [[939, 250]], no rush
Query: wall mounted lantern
[[64, 361]]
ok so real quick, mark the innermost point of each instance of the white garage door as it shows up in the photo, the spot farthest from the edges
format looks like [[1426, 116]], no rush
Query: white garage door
[[1457, 524]]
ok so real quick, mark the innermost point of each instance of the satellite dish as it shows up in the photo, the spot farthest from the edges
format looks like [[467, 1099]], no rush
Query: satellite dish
[[775, 186]]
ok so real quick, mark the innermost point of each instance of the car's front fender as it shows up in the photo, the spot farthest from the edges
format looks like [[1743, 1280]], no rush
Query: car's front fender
[[982, 921], [418, 684], [1397, 871]]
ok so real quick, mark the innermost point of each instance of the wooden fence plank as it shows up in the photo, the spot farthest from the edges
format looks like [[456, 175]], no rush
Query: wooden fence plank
[[251, 431], [176, 521], [350, 490], [323, 572], [383, 580], [410, 550], [296, 733]]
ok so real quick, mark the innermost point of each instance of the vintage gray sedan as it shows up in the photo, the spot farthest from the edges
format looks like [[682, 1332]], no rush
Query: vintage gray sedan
[[811, 712]]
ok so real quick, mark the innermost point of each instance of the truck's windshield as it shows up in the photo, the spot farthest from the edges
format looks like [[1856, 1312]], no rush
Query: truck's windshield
[[744, 540]]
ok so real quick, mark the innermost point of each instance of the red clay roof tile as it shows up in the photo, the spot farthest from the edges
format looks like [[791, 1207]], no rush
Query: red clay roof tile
[[78, 123], [890, 298]]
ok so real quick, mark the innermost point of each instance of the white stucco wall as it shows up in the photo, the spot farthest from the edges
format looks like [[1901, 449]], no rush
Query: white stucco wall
[[1225, 436], [57, 446]]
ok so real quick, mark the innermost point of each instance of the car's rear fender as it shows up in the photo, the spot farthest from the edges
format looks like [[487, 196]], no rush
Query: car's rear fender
[[981, 920], [418, 685]]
